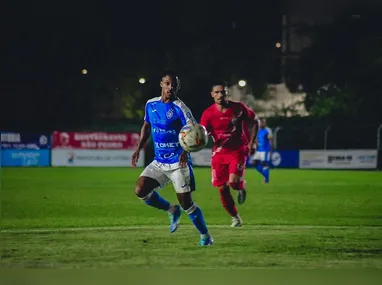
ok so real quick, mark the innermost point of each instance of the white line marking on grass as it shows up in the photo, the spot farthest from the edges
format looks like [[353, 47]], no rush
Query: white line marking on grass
[[160, 227]]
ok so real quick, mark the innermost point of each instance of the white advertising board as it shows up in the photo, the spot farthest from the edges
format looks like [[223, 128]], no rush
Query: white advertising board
[[94, 157], [338, 159]]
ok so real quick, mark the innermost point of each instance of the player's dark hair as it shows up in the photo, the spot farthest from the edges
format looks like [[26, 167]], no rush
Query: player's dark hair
[[219, 82], [174, 77]]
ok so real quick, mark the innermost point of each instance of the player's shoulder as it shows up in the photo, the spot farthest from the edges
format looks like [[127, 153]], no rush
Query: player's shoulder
[[269, 130], [182, 108], [239, 104], [153, 100], [180, 104]]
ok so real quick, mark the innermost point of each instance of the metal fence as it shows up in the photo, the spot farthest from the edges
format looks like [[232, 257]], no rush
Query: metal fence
[[328, 137]]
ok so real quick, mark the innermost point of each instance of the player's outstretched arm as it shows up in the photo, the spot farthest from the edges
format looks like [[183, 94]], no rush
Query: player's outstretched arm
[[255, 129], [270, 139], [204, 122], [255, 122], [145, 134]]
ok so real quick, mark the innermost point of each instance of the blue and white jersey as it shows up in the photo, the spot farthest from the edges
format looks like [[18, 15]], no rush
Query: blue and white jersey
[[263, 136], [166, 120]]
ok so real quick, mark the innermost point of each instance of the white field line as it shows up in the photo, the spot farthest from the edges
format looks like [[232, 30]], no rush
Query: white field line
[[160, 227]]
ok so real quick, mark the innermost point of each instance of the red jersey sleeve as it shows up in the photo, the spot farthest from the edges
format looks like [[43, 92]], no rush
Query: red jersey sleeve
[[204, 121], [250, 115], [247, 133]]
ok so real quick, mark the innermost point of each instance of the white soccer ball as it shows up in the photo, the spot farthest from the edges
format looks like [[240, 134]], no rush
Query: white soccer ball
[[193, 138]]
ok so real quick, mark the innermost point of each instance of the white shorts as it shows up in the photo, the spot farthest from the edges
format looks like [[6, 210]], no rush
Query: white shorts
[[181, 177], [262, 156]]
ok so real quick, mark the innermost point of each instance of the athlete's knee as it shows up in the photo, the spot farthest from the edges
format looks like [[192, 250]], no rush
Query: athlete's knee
[[234, 182], [264, 163], [185, 200], [139, 190], [255, 162], [237, 183], [224, 188], [142, 192], [143, 188]]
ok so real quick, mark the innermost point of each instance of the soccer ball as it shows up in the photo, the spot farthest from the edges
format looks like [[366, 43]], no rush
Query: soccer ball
[[193, 138]]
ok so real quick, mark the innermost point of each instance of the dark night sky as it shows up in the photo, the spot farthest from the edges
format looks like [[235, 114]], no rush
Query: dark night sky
[[42, 40], [47, 44], [85, 30], [69, 36]]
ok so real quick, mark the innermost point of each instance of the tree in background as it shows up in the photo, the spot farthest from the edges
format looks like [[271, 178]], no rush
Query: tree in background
[[341, 70]]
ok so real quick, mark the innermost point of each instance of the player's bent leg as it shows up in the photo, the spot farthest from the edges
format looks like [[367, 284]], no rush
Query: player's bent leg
[[184, 183], [220, 177], [227, 200], [229, 204], [257, 162], [196, 216], [266, 171], [237, 183], [236, 174], [145, 190], [258, 166]]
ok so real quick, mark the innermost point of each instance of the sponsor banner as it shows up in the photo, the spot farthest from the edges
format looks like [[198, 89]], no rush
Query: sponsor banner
[[93, 157], [202, 157], [95, 140], [285, 158], [10, 140], [338, 159], [280, 159], [23, 157]]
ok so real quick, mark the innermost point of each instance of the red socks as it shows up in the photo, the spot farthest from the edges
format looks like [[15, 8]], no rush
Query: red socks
[[227, 200]]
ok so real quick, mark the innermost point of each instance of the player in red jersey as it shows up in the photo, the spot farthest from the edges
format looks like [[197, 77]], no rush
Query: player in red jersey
[[225, 121]]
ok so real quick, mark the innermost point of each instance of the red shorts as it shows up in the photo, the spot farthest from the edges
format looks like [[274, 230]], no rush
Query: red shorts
[[224, 164]]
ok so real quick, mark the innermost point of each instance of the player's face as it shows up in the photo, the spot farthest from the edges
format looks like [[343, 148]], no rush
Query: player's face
[[219, 93], [168, 87], [263, 123]]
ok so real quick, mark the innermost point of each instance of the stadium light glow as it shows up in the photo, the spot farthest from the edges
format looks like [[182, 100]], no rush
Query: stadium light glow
[[84, 71], [142, 80], [242, 83], [278, 45]]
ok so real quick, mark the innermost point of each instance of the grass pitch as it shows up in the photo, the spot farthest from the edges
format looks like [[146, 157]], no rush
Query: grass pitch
[[91, 218]]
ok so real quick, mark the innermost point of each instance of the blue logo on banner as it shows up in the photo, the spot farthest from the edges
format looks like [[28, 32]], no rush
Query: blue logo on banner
[[25, 141], [285, 158], [25, 149], [14, 157]]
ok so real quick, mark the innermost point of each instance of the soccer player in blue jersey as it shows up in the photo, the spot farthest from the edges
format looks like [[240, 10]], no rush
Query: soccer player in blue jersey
[[261, 158], [164, 117]]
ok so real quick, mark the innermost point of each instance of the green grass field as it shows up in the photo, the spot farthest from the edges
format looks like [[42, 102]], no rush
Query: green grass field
[[91, 218]]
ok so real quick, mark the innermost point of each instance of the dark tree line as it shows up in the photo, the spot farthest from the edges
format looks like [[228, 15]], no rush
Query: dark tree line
[[43, 87], [342, 70]]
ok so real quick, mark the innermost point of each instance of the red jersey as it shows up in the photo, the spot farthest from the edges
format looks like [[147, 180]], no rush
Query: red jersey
[[227, 128], [246, 132]]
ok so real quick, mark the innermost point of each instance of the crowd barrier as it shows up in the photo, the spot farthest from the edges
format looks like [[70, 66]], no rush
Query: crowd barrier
[[310, 159], [71, 149], [109, 149], [25, 149]]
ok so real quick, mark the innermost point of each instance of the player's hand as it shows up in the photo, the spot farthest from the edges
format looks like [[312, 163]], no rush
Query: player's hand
[[135, 158], [183, 159], [251, 149]]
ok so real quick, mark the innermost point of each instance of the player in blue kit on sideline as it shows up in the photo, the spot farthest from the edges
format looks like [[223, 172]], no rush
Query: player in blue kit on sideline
[[261, 158], [164, 117]]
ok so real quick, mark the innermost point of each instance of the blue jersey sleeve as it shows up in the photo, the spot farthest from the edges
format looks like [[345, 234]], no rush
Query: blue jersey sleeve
[[146, 117], [269, 133], [185, 113]]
